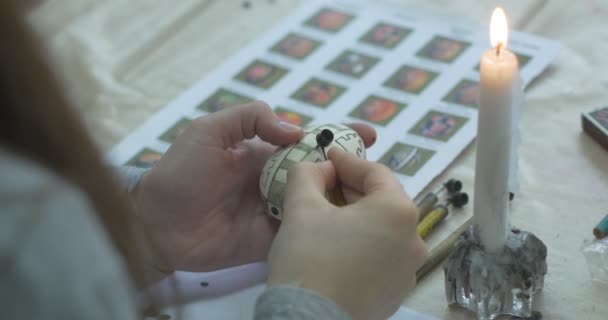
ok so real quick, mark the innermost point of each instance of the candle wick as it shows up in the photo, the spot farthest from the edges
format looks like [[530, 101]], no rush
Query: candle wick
[[498, 47]]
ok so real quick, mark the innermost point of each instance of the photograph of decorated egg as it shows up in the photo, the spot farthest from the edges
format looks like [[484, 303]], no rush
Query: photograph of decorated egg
[[273, 178]]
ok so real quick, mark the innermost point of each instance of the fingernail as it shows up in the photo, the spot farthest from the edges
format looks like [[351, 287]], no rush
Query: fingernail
[[288, 126]]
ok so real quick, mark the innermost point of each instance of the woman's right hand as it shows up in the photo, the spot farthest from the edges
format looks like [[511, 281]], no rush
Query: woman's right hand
[[363, 256]]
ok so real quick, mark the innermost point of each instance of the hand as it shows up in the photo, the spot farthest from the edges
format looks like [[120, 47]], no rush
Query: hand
[[201, 202], [363, 256]]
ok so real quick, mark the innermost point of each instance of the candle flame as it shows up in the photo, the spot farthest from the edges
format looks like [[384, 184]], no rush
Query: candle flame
[[499, 29]]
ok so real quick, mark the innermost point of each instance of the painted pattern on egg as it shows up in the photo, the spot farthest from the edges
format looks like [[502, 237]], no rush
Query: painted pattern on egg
[[273, 178]]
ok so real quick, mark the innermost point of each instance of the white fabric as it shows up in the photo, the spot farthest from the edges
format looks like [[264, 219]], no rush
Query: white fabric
[[55, 260], [126, 59], [130, 176]]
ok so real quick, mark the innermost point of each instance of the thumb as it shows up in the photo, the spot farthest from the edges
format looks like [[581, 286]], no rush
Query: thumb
[[362, 175], [235, 124], [307, 184]]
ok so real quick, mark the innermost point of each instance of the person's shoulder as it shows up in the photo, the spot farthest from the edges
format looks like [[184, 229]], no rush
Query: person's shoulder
[[25, 188], [12, 164], [54, 254], [22, 177], [28, 193], [41, 212]]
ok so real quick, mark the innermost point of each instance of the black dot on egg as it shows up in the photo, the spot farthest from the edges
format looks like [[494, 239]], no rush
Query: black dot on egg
[[324, 138]]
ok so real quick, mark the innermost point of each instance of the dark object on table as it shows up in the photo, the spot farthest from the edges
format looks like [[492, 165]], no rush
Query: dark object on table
[[459, 199], [453, 185], [428, 202], [595, 124]]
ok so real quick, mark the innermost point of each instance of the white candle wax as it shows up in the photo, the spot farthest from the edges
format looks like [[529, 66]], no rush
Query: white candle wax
[[499, 86]]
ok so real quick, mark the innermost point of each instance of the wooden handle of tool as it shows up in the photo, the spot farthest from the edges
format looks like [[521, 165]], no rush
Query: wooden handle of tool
[[442, 251], [431, 220]]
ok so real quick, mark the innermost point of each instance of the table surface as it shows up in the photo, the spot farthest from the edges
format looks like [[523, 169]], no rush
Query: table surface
[[124, 60]]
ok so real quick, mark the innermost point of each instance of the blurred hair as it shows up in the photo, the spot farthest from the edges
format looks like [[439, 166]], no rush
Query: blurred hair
[[38, 122]]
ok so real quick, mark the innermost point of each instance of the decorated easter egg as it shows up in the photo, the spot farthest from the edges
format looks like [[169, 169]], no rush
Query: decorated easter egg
[[273, 178]]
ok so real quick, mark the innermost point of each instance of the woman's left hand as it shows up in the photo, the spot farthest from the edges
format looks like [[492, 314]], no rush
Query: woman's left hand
[[201, 202]]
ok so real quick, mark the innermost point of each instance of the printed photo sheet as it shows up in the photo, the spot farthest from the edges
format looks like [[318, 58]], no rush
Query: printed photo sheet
[[411, 75]]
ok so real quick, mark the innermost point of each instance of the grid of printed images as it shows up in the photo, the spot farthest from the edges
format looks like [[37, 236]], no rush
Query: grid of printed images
[[377, 109]]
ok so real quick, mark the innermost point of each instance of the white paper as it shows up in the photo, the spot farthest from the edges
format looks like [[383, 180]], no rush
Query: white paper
[[367, 14]]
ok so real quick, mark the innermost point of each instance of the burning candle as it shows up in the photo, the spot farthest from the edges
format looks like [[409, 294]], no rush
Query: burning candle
[[500, 93]]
